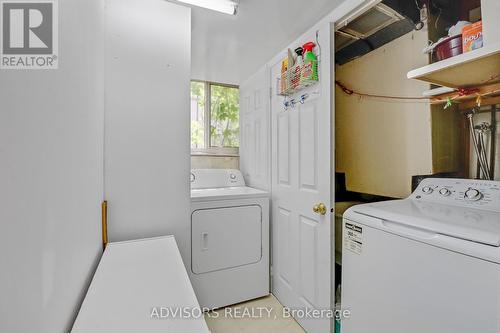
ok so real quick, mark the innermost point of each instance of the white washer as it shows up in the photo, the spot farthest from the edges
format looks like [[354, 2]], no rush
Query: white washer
[[428, 263], [229, 253]]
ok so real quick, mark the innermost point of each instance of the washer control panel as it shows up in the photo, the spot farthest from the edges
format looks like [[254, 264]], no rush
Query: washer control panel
[[480, 194]]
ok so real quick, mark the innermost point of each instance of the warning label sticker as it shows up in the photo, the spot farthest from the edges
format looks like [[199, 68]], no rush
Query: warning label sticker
[[353, 240]]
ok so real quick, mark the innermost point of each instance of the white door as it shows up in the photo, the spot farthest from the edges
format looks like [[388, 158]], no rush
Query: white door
[[301, 168]]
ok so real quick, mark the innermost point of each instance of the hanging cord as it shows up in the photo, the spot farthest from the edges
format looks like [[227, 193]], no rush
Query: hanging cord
[[493, 77], [360, 94], [459, 93], [439, 15]]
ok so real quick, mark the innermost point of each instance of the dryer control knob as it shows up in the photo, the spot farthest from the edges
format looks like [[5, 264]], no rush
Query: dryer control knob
[[473, 195]]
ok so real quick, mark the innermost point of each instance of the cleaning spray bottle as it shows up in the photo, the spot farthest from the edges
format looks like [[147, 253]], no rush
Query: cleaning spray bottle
[[311, 60]]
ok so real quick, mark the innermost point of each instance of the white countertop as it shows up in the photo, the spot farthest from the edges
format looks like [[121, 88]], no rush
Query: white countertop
[[132, 279]]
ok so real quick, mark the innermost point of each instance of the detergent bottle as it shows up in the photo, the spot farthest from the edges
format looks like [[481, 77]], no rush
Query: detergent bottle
[[311, 60], [297, 68], [300, 52]]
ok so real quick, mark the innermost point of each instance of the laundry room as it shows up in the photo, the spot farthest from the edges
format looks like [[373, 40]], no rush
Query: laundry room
[[226, 166]]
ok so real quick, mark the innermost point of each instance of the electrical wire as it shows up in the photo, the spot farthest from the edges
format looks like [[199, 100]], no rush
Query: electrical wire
[[459, 93], [439, 15]]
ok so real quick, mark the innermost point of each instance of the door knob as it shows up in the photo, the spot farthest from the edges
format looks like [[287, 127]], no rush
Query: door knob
[[320, 209]]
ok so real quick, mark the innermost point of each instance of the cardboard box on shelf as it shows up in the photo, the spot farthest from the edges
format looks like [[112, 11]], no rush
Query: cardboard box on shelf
[[472, 36]]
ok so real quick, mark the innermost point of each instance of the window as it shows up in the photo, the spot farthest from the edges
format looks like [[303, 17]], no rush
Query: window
[[215, 115]]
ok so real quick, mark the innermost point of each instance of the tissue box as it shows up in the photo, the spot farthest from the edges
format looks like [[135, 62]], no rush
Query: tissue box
[[472, 36]]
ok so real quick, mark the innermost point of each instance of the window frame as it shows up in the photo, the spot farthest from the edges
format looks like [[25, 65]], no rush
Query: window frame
[[207, 114]]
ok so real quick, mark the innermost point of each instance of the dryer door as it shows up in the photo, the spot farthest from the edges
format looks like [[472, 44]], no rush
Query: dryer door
[[227, 237]]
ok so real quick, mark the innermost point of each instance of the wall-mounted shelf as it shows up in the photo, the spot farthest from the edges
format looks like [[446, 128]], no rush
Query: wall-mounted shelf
[[437, 91], [469, 69]]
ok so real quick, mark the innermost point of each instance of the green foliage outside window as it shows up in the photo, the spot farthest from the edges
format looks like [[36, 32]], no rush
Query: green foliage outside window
[[223, 111]]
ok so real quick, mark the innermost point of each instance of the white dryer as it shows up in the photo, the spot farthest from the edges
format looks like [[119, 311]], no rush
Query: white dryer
[[229, 254]]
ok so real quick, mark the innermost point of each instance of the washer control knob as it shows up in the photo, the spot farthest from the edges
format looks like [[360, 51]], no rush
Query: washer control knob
[[427, 190], [444, 192], [473, 195], [232, 176]]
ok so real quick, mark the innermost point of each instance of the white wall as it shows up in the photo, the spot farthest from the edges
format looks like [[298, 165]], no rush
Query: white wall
[[51, 136], [147, 143], [214, 162], [229, 49], [490, 12], [255, 140], [380, 143]]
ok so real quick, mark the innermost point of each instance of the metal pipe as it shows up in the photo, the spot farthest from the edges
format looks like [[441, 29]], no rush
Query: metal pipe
[[478, 168], [475, 141], [493, 141], [483, 153]]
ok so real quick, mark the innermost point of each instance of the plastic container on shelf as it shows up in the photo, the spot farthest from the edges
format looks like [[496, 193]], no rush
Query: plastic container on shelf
[[449, 47]]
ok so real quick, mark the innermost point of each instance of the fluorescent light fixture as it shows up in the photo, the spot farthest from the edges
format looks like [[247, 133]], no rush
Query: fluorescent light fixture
[[223, 6]]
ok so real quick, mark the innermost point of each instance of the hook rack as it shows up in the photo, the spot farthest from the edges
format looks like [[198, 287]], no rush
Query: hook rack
[[292, 102]]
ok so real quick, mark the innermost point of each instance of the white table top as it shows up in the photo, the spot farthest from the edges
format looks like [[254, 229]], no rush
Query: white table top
[[132, 280]]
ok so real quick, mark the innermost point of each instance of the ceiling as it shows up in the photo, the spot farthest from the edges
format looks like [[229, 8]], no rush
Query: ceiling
[[228, 49]]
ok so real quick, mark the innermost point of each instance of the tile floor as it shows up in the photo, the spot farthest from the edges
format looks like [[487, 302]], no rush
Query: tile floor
[[233, 320]]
